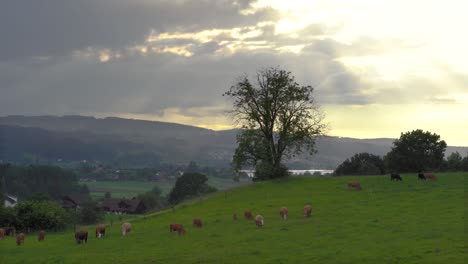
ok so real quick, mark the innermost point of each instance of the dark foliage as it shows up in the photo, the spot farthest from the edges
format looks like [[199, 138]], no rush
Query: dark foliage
[[416, 150], [361, 164], [27, 181], [35, 215], [90, 213], [189, 185], [455, 162], [153, 199]]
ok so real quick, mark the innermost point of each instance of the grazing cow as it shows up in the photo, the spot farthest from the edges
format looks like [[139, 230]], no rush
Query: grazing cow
[[234, 216], [126, 228], [177, 227], [81, 236], [284, 213], [41, 236], [100, 230], [307, 210], [395, 177], [248, 215], [20, 239], [2, 233], [197, 222], [259, 220], [355, 185], [430, 176], [421, 176]]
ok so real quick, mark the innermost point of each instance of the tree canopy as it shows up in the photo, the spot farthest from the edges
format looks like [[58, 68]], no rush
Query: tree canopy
[[279, 119], [361, 164], [416, 150], [189, 185]]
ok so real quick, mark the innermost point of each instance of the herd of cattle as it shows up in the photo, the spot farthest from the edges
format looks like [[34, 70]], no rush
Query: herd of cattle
[[81, 236]]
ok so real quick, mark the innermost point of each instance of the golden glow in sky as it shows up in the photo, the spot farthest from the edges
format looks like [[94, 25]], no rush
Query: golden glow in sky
[[420, 55]]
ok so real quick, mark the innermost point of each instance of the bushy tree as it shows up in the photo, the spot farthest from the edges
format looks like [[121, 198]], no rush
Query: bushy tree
[[279, 119], [416, 150], [153, 199], [465, 163], [7, 216], [454, 162], [36, 215], [361, 164], [189, 185], [90, 213]]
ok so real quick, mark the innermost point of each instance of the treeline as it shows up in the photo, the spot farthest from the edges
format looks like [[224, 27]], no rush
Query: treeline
[[413, 151], [27, 181], [107, 172]]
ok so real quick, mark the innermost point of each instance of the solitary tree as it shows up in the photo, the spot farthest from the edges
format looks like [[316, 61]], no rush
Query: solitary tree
[[416, 150], [279, 119], [189, 185]]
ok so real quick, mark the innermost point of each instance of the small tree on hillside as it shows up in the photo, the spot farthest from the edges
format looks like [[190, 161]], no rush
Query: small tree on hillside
[[361, 164], [189, 185], [416, 150], [279, 119]]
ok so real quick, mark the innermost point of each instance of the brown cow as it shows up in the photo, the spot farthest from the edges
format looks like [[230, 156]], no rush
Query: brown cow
[[284, 213], [177, 227], [259, 220], [41, 235], [355, 185], [2, 233], [81, 236], [248, 215], [100, 230], [197, 222], [126, 228], [307, 210], [430, 176], [20, 239]]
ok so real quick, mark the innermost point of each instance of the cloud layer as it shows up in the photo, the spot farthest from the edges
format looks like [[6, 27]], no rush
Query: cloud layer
[[176, 58]]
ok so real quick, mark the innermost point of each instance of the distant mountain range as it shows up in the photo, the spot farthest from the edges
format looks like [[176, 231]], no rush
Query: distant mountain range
[[143, 143]]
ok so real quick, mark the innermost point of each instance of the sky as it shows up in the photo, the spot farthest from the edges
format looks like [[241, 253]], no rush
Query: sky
[[378, 68]]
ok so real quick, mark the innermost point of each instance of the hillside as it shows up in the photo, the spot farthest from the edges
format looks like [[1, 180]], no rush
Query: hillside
[[387, 222], [71, 138]]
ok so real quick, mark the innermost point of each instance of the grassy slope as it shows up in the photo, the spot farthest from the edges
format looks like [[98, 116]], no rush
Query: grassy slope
[[387, 222]]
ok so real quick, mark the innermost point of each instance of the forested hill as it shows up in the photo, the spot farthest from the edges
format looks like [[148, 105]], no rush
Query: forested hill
[[70, 138]]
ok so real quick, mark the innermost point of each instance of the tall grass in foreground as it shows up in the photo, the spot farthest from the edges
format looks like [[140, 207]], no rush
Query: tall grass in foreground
[[387, 222]]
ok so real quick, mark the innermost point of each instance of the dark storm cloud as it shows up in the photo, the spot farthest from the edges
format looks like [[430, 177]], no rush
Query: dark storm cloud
[[57, 27], [155, 82]]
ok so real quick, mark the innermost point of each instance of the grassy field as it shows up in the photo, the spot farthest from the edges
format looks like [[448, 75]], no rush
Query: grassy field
[[129, 189], [386, 222]]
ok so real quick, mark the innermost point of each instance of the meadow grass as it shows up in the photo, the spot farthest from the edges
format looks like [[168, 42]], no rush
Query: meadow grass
[[387, 222]]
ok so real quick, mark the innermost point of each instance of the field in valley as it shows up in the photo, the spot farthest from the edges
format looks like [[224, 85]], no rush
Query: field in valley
[[129, 189], [386, 222]]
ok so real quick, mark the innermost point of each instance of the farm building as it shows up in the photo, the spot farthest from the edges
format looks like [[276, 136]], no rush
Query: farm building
[[9, 200], [123, 206], [75, 200]]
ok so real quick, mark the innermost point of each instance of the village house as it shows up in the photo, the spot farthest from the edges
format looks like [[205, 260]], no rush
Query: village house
[[75, 200], [9, 200], [123, 206]]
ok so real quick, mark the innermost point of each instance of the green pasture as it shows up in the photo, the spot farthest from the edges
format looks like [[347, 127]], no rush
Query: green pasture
[[387, 222]]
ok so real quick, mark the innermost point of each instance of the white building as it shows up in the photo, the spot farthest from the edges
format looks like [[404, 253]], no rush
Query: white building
[[9, 200]]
